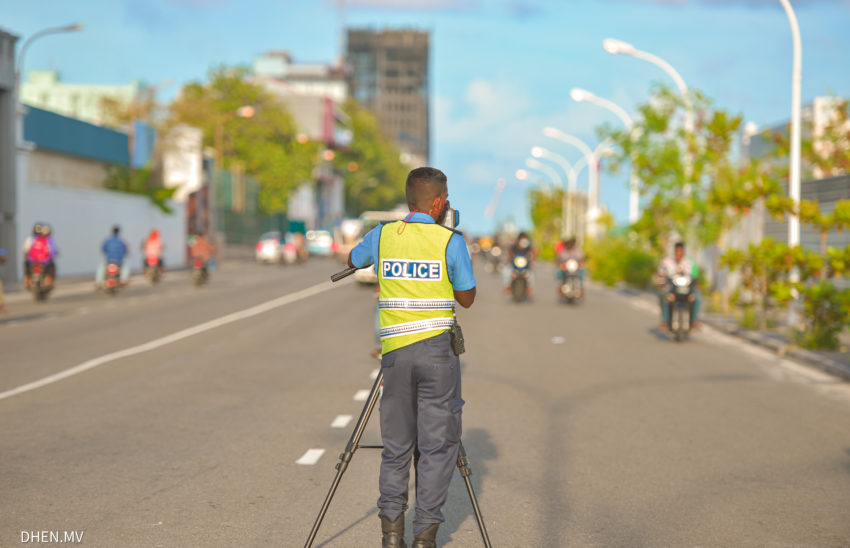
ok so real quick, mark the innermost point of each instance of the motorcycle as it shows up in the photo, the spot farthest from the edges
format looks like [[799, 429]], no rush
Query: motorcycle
[[112, 283], [38, 282], [200, 273], [153, 272], [680, 299], [519, 278], [571, 285]]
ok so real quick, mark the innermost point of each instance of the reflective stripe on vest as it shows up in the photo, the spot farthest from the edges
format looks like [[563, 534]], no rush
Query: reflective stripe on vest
[[417, 299], [420, 326], [416, 304]]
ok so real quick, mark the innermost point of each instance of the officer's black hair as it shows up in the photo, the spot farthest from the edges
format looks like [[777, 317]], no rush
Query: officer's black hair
[[422, 186], [680, 244]]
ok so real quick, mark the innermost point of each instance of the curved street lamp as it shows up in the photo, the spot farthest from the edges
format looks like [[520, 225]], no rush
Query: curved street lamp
[[612, 45], [51, 30], [593, 179], [535, 164], [579, 95], [572, 177]]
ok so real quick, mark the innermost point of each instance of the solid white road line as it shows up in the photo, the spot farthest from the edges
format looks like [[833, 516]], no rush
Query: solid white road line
[[341, 421], [311, 457], [361, 395], [174, 337]]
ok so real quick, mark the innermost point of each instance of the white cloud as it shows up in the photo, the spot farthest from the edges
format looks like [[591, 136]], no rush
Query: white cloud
[[502, 121]]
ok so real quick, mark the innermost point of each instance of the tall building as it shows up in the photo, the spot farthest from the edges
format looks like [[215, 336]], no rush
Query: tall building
[[388, 74], [311, 92]]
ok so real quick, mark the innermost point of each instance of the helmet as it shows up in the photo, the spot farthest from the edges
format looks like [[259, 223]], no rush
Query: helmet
[[39, 229]]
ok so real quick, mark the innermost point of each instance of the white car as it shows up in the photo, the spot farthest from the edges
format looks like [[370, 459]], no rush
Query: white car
[[268, 248]]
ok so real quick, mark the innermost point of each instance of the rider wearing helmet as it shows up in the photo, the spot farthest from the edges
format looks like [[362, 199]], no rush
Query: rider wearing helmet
[[522, 246], [39, 248], [564, 251], [115, 251]]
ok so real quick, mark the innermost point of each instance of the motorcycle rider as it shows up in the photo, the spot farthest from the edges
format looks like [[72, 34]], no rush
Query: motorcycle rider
[[201, 248], [671, 266], [39, 248], [115, 251], [152, 247], [522, 246], [564, 251]]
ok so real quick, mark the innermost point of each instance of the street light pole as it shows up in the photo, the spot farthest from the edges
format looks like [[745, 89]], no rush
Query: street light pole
[[580, 95], [615, 46], [533, 163], [44, 32], [593, 178], [572, 176], [796, 80], [15, 185], [494, 200]]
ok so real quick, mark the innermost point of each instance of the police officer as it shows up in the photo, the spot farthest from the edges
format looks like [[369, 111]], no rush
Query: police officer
[[423, 268]]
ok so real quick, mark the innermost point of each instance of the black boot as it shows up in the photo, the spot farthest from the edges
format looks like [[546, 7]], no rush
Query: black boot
[[393, 532], [427, 538]]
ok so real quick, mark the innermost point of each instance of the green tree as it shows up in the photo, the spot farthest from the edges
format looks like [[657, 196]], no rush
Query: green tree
[[138, 181], [266, 144], [373, 172], [691, 181], [827, 153], [546, 214]]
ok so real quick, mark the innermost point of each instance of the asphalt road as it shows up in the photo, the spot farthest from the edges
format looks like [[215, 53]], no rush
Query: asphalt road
[[183, 412]]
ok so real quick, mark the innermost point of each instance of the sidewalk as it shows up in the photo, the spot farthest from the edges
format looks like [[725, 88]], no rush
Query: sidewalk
[[78, 285], [834, 363], [73, 285]]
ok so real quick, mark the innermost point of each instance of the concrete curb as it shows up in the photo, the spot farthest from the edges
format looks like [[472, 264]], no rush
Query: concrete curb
[[782, 346]]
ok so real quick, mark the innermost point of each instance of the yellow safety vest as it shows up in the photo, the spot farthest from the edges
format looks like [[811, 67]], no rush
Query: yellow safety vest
[[417, 300]]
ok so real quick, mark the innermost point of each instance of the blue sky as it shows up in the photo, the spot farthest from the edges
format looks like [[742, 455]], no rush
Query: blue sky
[[501, 69]]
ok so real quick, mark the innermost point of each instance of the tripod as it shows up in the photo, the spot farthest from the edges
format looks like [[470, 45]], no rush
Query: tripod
[[354, 444]]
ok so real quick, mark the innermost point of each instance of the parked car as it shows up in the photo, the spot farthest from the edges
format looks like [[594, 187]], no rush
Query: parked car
[[290, 253], [320, 242], [269, 248]]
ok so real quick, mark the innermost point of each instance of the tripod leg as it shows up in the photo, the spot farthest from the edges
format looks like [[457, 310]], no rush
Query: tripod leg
[[345, 457], [465, 471]]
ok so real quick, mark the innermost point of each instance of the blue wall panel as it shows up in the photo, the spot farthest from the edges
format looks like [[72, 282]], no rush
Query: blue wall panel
[[52, 131]]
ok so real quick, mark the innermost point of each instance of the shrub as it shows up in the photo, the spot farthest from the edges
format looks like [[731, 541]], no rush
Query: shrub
[[639, 268], [826, 310]]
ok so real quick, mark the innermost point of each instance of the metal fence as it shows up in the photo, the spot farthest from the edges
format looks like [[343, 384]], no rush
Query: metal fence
[[236, 210]]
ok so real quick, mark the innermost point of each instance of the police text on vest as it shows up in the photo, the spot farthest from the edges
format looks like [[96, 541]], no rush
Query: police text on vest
[[405, 269]]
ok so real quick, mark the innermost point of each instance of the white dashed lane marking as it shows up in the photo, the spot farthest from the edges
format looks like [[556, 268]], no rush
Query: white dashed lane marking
[[311, 457], [341, 421], [374, 374], [361, 395]]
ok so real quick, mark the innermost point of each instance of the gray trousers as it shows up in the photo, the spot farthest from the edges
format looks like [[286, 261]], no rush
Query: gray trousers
[[420, 408]]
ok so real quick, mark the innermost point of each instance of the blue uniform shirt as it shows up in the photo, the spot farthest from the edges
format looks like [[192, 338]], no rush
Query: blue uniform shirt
[[114, 248], [458, 260]]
